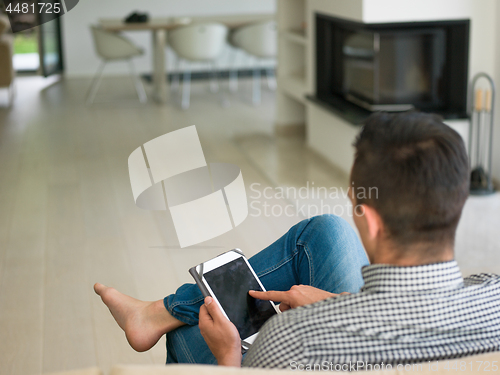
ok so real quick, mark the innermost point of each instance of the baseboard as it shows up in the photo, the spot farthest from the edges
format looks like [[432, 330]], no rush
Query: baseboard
[[290, 130]]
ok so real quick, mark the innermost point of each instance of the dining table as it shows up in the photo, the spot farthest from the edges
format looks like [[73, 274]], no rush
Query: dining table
[[159, 28]]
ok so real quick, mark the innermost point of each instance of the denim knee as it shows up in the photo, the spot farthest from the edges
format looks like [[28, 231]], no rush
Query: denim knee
[[335, 254], [328, 219], [331, 225]]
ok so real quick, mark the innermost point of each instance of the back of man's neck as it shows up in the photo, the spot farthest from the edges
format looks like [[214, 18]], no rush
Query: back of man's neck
[[416, 255]]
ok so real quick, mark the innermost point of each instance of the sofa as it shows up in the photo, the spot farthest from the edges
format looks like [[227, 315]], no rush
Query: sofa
[[478, 364], [6, 53]]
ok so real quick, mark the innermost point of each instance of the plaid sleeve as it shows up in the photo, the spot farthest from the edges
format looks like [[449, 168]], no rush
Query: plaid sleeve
[[481, 278], [278, 344]]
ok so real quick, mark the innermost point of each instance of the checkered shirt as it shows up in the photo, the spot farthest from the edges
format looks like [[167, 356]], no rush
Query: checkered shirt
[[401, 315]]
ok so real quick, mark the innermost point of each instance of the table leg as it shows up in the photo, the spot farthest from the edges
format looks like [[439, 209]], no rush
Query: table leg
[[160, 85]]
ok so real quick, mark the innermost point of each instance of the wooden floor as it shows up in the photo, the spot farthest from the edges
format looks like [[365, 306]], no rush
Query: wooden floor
[[68, 219]]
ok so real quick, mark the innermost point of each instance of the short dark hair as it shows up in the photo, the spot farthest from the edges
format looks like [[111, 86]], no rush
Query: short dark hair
[[420, 170]]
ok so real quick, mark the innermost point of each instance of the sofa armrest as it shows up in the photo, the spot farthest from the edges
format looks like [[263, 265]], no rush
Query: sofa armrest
[[86, 371], [190, 370], [6, 65], [425, 368]]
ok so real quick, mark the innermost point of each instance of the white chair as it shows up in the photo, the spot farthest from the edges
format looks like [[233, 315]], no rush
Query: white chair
[[198, 42], [111, 46], [259, 40]]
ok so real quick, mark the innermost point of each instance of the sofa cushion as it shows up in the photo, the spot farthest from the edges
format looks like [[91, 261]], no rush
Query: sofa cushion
[[481, 364], [4, 23], [6, 66]]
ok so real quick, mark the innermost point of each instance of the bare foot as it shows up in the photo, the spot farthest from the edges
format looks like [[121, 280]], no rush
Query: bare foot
[[144, 323]]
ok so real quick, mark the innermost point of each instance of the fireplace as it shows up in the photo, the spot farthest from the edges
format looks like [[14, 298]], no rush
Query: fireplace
[[361, 68]]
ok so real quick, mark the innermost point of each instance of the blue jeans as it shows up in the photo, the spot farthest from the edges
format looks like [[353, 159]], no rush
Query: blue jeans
[[323, 252]]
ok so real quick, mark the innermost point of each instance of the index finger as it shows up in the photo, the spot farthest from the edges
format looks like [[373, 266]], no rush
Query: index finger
[[271, 295]]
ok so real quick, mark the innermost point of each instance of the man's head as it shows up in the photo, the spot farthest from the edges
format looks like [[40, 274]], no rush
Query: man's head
[[411, 177]]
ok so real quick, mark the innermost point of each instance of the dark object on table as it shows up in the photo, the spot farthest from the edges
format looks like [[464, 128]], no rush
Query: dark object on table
[[137, 17]]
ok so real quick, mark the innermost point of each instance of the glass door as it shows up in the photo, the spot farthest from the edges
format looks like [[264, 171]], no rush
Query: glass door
[[49, 42]]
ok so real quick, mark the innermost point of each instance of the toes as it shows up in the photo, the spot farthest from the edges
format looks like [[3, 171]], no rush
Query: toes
[[99, 288], [109, 295]]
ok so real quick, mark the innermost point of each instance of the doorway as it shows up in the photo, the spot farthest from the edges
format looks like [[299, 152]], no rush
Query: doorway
[[38, 47]]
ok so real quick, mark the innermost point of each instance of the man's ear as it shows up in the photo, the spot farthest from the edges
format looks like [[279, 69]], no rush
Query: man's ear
[[374, 222]]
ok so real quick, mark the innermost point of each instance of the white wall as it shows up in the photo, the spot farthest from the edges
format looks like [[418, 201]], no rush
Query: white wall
[[349, 9], [496, 77], [80, 58]]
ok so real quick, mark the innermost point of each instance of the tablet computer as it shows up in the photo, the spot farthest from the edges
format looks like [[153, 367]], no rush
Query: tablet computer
[[227, 278]]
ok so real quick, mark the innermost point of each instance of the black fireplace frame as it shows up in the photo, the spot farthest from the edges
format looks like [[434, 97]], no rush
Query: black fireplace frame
[[328, 66]]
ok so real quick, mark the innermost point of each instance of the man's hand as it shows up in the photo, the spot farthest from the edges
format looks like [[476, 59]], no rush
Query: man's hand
[[298, 295], [221, 335]]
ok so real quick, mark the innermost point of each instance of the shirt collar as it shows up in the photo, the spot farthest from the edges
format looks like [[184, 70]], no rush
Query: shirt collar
[[389, 278]]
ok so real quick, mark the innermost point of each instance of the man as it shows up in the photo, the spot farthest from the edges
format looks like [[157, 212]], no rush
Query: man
[[413, 306]]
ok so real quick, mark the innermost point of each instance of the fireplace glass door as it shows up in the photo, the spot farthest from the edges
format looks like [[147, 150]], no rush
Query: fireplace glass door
[[394, 70]]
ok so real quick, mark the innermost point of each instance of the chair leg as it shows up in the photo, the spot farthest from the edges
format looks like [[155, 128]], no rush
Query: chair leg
[[139, 87], [233, 72], [214, 83], [256, 97], [233, 80], [223, 97], [176, 75], [94, 87], [271, 79], [186, 89]]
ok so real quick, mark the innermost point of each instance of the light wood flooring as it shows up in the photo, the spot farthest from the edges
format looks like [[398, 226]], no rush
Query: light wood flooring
[[68, 219]]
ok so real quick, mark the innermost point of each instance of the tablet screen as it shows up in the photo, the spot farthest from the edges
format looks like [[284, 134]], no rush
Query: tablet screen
[[230, 284]]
